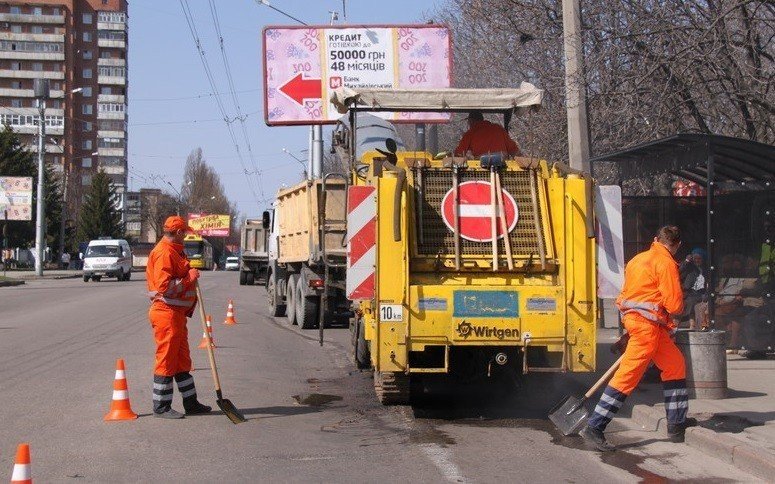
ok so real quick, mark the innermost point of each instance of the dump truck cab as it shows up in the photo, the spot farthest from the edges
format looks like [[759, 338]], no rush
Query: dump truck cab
[[432, 292]]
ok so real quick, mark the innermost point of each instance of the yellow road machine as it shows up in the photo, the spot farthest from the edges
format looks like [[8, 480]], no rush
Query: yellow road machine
[[459, 266]]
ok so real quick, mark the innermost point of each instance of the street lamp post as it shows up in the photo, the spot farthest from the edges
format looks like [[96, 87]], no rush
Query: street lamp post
[[41, 89]]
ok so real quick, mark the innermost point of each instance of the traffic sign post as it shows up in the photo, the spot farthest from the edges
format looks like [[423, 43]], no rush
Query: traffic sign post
[[475, 211]]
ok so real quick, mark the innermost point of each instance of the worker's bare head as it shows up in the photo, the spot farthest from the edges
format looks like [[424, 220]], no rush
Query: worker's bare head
[[473, 117], [670, 237]]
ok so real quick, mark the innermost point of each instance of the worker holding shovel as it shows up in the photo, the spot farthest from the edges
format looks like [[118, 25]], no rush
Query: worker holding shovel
[[172, 289], [650, 298]]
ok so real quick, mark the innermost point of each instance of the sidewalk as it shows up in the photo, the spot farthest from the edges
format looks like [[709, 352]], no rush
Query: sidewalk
[[47, 274], [739, 429]]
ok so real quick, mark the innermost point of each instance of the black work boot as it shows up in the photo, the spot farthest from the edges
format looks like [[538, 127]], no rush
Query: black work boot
[[193, 407], [676, 433], [188, 391], [596, 439]]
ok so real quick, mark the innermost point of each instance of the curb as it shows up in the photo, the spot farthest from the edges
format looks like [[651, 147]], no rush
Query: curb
[[753, 460], [11, 283]]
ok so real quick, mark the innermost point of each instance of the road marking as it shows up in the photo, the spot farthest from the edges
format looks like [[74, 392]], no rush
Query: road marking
[[442, 459]]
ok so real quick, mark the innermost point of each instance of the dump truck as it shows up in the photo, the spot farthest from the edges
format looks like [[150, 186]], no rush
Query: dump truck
[[307, 252], [465, 268], [254, 258]]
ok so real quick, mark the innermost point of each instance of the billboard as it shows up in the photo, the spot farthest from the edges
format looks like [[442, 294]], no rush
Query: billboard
[[210, 225], [15, 198], [303, 64]]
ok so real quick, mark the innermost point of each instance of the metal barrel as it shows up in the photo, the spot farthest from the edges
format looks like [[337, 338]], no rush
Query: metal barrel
[[706, 362]]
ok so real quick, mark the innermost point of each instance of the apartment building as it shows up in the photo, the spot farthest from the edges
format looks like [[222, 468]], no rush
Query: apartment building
[[81, 47]]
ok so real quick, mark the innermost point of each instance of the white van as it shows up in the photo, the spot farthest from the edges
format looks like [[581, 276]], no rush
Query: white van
[[109, 258]]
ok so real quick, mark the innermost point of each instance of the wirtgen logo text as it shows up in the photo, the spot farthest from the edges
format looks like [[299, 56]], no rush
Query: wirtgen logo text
[[466, 329]]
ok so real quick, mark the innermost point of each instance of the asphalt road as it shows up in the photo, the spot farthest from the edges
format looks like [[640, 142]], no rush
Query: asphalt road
[[313, 417]]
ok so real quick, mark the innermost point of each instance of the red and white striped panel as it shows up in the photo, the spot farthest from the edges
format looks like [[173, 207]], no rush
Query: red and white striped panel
[[361, 242]]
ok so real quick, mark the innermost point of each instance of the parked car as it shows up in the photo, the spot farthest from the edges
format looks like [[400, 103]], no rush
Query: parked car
[[109, 258], [232, 263]]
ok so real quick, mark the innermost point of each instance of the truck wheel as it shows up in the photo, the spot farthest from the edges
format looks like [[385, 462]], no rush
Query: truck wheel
[[392, 388], [85, 278], [249, 278], [307, 308], [290, 298], [96, 278], [128, 276], [275, 308], [361, 351], [120, 275], [243, 278]]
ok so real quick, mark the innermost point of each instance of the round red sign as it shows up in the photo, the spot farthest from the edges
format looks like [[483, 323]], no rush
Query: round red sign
[[475, 211]]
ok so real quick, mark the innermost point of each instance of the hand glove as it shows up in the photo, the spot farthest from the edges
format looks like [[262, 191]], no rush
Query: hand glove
[[193, 275]]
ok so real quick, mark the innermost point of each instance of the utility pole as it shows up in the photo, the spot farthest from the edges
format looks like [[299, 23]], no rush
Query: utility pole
[[41, 90], [575, 89]]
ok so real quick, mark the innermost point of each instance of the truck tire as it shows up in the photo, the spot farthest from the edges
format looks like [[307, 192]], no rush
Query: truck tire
[[249, 278], [392, 388], [85, 278], [290, 298], [307, 307], [96, 278], [243, 278], [120, 275], [128, 276], [361, 350], [275, 307]]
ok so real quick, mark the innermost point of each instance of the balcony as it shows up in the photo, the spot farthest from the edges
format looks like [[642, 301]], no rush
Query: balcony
[[111, 25], [111, 98], [20, 18], [109, 43], [112, 62], [31, 111], [51, 149], [25, 55], [115, 80], [7, 92], [33, 37], [7, 73], [111, 134], [111, 152], [113, 170], [111, 115]]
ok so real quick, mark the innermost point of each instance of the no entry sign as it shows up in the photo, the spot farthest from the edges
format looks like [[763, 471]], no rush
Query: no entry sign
[[475, 211]]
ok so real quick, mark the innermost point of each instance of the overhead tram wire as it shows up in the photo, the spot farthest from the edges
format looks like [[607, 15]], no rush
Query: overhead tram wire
[[219, 103], [233, 93]]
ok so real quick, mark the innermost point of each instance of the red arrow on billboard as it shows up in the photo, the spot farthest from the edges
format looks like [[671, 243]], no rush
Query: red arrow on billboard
[[300, 88]]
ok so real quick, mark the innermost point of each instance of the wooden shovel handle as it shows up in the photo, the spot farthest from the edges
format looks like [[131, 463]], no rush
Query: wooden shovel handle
[[210, 353], [606, 376]]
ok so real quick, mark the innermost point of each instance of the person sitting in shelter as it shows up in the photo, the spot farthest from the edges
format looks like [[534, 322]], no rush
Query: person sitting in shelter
[[693, 283], [729, 310], [484, 137]]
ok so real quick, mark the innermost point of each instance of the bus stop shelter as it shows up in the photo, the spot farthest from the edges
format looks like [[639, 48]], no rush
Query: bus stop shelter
[[736, 175]]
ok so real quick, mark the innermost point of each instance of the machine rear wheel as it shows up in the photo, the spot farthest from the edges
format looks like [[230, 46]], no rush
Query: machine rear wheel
[[307, 307], [290, 298], [392, 388], [243, 278], [249, 278]]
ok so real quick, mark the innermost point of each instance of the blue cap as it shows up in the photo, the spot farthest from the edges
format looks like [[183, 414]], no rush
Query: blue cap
[[700, 252]]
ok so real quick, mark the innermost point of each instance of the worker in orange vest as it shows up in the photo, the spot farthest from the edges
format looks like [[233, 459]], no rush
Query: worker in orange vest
[[172, 289], [649, 300], [484, 137]]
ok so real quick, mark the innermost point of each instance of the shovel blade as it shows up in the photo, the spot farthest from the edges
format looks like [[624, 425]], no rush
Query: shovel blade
[[231, 411], [569, 415]]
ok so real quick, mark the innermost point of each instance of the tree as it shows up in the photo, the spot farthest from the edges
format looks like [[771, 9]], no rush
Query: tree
[[156, 207], [99, 216], [203, 192], [17, 160]]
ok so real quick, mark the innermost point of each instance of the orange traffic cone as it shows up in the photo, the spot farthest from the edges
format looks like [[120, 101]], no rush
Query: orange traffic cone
[[230, 314], [203, 343], [21, 466], [119, 407]]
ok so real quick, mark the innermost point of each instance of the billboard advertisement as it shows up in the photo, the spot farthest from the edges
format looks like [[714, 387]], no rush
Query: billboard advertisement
[[15, 198], [210, 225], [304, 64]]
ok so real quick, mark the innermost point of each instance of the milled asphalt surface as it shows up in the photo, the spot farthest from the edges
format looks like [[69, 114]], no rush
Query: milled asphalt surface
[[59, 340]]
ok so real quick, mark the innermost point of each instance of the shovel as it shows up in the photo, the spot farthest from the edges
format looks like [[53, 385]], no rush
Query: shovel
[[570, 414], [223, 403]]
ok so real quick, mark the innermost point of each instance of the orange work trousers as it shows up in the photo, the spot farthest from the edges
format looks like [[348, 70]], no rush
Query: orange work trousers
[[648, 342], [171, 335]]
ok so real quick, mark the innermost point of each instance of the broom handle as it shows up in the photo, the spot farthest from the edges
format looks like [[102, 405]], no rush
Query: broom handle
[[606, 376], [210, 353], [502, 218], [493, 221]]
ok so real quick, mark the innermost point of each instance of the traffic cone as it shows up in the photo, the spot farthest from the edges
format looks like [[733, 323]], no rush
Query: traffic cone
[[21, 466], [119, 407], [230, 314], [203, 343]]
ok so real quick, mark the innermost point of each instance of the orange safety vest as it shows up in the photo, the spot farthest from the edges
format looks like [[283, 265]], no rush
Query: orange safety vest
[[652, 286], [167, 274]]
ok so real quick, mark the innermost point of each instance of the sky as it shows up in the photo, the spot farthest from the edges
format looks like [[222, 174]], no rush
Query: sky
[[171, 107]]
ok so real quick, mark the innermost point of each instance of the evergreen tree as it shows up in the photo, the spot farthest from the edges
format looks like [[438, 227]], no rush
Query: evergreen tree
[[99, 216], [17, 160]]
